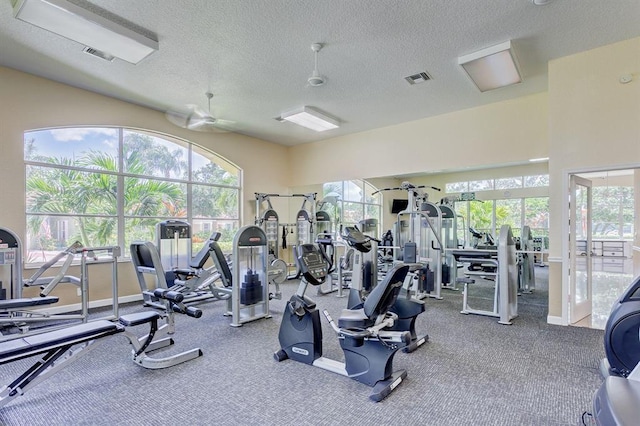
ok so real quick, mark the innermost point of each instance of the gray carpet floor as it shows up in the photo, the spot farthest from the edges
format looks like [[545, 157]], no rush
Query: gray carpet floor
[[473, 371]]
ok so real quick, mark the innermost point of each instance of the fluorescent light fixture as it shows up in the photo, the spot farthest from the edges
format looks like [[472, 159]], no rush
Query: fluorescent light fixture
[[492, 67], [85, 27], [538, 160], [311, 118]]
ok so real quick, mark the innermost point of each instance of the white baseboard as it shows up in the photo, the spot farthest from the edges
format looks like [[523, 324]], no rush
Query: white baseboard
[[93, 304], [553, 320]]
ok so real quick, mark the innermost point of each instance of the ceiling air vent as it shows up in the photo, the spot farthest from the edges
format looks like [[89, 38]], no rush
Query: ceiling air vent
[[98, 53], [418, 78]]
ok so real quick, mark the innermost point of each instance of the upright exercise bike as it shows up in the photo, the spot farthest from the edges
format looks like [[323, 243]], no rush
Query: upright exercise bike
[[405, 307], [365, 334]]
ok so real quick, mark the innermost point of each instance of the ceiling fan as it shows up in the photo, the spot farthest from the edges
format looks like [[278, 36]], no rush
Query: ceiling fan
[[192, 117], [316, 79]]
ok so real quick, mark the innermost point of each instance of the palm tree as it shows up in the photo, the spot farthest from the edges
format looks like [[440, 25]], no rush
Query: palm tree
[[92, 196]]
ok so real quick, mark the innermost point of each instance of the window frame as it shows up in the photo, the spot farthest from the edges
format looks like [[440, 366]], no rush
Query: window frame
[[366, 190], [187, 181]]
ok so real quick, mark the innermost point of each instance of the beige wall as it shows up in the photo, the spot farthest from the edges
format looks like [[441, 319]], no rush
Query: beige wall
[[495, 134], [594, 122], [30, 102]]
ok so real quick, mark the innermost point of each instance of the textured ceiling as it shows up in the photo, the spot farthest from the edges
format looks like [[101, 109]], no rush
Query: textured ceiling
[[255, 55]]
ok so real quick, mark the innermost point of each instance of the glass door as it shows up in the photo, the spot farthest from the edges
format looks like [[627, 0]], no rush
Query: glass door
[[580, 249]]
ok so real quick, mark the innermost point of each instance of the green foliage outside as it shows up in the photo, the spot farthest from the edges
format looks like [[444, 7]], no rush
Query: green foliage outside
[[90, 199]]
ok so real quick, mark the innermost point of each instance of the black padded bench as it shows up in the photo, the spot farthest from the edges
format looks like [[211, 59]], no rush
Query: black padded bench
[[24, 347], [55, 348], [26, 302]]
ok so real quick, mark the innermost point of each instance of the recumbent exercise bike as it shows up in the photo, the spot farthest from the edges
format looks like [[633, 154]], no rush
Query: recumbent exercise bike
[[365, 334]]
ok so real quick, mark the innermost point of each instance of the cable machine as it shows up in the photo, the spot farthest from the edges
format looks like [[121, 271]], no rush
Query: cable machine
[[420, 239], [268, 220], [304, 226], [449, 237]]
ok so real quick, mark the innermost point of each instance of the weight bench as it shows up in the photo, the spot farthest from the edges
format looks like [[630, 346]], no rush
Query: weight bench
[[8, 306], [61, 347], [17, 312]]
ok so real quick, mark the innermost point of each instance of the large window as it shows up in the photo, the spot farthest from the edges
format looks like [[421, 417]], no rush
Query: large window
[[612, 212], [357, 201], [489, 216], [111, 186], [513, 182]]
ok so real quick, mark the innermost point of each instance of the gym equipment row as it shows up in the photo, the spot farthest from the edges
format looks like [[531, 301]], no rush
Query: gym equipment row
[[18, 312], [244, 281]]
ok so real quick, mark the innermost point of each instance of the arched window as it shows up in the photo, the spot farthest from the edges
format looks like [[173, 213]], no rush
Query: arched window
[[108, 186]]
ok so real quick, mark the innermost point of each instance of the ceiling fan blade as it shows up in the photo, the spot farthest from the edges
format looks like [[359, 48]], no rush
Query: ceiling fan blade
[[193, 117], [201, 124], [179, 118]]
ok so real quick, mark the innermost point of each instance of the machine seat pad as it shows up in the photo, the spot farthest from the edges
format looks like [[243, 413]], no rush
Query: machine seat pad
[[138, 318], [354, 318], [27, 346], [472, 254], [25, 302], [465, 280], [183, 271]]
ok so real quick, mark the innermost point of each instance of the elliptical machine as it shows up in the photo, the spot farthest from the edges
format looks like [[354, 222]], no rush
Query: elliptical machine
[[617, 401], [365, 334], [621, 342], [405, 307]]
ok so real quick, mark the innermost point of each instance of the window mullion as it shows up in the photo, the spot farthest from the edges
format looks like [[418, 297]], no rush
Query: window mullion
[[120, 192]]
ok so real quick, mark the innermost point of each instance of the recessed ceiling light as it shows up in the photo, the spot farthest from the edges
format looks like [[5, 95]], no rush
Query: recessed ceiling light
[[311, 118], [540, 2], [492, 67]]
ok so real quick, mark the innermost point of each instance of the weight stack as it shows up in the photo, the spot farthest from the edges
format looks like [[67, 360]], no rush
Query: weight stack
[[251, 289]]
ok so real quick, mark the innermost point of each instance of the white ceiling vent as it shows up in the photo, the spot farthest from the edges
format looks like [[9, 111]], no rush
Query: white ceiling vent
[[418, 78], [98, 53]]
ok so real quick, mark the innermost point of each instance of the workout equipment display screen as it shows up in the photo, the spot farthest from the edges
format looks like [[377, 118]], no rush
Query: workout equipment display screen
[[399, 205]]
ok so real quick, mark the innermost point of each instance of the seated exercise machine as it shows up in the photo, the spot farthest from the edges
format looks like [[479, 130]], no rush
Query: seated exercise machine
[[61, 347], [365, 336], [184, 273], [617, 401], [406, 308], [146, 260], [495, 265]]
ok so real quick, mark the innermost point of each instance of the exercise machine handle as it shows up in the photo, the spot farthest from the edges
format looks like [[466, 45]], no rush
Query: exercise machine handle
[[170, 295], [189, 311]]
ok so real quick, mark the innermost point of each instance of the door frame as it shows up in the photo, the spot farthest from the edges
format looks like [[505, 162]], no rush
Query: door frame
[[566, 229], [584, 309]]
